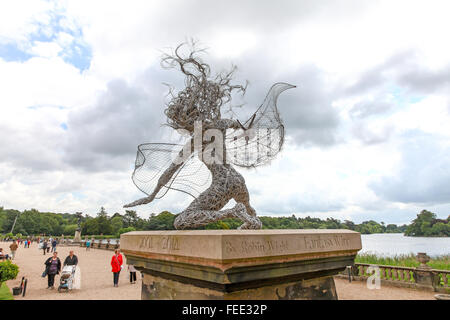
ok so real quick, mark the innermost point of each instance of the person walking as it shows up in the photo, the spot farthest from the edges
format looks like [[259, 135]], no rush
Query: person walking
[[13, 247], [132, 271], [54, 243], [52, 268], [88, 244], [71, 259], [44, 246], [116, 264]]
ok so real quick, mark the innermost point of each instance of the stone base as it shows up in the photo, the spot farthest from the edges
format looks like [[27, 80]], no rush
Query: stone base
[[240, 264], [426, 279], [158, 288], [77, 237]]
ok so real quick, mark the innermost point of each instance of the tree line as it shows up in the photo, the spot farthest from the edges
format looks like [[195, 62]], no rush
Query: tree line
[[34, 222], [427, 225]]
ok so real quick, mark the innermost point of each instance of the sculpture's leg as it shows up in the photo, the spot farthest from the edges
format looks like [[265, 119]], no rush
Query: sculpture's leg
[[244, 198], [190, 219], [239, 191]]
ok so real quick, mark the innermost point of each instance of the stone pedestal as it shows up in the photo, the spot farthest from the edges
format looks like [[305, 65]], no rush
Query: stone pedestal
[[77, 237], [240, 264], [424, 275], [426, 278]]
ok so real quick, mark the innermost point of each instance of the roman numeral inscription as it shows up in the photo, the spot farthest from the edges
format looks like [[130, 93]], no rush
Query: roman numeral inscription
[[163, 243]]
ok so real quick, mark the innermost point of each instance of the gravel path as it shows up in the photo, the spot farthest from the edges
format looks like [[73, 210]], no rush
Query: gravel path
[[97, 284], [357, 290]]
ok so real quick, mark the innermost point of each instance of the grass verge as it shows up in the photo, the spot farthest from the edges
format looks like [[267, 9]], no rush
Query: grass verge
[[5, 293], [403, 260]]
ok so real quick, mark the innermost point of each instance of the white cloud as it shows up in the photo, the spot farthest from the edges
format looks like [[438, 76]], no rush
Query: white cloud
[[358, 96]]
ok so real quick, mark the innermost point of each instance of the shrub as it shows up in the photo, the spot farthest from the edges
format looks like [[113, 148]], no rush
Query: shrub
[[8, 271], [125, 230]]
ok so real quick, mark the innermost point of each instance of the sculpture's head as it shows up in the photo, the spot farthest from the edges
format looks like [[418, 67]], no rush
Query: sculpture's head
[[201, 101], [203, 96]]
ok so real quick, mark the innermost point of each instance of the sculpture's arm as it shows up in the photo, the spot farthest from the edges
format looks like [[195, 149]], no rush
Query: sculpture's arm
[[162, 181]]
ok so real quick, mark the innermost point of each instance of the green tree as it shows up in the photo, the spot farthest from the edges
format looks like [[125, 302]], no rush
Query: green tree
[[130, 218], [70, 229], [102, 212], [90, 227], [423, 225], [116, 224], [162, 221], [125, 230]]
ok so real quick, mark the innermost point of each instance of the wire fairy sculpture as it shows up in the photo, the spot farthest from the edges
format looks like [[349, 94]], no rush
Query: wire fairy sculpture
[[161, 167]]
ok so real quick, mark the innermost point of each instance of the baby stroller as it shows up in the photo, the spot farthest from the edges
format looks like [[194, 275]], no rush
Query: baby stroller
[[67, 277]]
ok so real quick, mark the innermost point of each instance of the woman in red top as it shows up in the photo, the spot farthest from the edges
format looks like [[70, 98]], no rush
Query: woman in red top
[[116, 264]]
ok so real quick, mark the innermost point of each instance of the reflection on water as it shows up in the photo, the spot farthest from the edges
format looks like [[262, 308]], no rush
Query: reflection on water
[[390, 244]]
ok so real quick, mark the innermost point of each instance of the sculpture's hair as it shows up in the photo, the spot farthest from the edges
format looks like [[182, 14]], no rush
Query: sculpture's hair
[[203, 96]]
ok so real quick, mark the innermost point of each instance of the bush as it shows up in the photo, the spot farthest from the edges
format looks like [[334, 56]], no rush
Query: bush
[[8, 271], [125, 230]]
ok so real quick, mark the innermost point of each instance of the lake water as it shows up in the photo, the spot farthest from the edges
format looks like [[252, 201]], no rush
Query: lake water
[[390, 244]]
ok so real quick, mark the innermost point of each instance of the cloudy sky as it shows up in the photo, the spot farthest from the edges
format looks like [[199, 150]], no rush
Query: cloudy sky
[[368, 127]]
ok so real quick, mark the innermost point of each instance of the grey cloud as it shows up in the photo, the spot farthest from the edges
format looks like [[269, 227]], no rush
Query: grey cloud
[[265, 16], [38, 148], [424, 173], [365, 109], [422, 80], [405, 70], [299, 204], [105, 135], [310, 115], [368, 136], [307, 110]]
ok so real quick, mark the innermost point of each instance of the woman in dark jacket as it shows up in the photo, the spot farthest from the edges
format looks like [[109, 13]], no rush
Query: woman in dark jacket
[[52, 267]]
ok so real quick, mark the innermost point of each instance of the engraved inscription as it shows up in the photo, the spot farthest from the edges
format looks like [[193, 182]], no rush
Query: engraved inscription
[[146, 243], [326, 243], [163, 243], [229, 248], [170, 243], [258, 246]]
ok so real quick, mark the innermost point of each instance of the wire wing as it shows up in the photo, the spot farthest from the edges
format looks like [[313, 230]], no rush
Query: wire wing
[[265, 138], [152, 159]]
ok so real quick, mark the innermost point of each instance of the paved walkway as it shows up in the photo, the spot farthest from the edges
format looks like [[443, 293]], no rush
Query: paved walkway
[[357, 290], [97, 284], [96, 275]]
